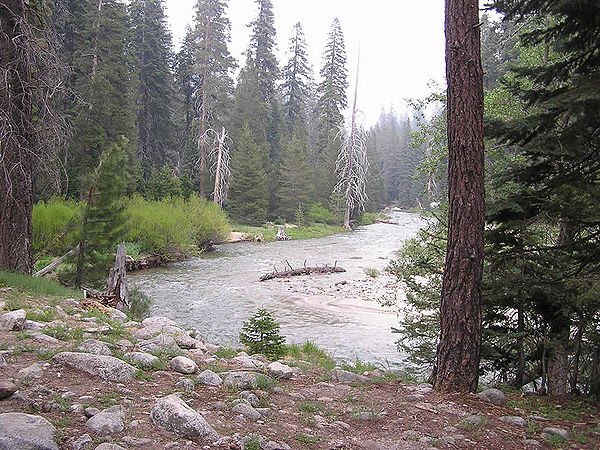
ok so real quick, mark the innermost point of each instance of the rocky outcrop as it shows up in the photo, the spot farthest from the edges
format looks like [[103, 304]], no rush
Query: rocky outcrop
[[13, 321], [173, 414], [26, 432], [106, 367]]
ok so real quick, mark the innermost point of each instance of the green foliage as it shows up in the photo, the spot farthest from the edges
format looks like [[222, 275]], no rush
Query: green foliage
[[174, 223], [300, 217], [36, 285], [45, 315], [261, 335], [139, 304], [226, 352], [358, 366], [372, 272], [306, 439], [368, 218], [312, 354], [55, 226], [318, 213], [164, 183], [265, 383]]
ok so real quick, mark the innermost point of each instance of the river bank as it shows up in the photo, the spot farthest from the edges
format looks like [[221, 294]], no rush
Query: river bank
[[159, 386]]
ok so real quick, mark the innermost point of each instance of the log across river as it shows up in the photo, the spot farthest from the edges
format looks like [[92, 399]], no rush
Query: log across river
[[338, 311]]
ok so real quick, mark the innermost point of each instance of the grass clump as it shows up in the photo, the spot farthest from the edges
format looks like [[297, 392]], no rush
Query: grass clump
[[311, 354], [310, 407], [226, 353], [109, 398], [358, 366], [45, 315], [265, 383], [372, 272], [306, 438], [36, 285]]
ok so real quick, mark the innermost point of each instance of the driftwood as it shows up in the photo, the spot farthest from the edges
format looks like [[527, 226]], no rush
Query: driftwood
[[57, 262], [116, 285], [291, 272], [389, 222], [281, 235]]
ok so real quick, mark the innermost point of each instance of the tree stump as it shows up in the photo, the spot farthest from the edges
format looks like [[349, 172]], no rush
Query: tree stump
[[281, 235], [117, 279]]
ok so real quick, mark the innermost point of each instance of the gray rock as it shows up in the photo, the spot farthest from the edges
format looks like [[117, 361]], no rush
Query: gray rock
[[117, 410], [250, 398], [124, 345], [45, 339], [109, 446], [13, 320], [91, 411], [273, 445], [343, 376], [241, 380], [173, 414], [531, 443], [414, 397], [209, 378], [142, 359], [163, 343], [95, 347], [118, 315], [246, 362], [59, 311], [106, 367], [104, 424], [82, 443], [494, 396], [158, 321], [185, 384], [515, 420], [7, 388], [551, 431], [26, 432], [186, 341], [181, 364], [148, 332], [32, 325], [247, 411], [475, 420], [280, 370], [137, 442], [34, 371]]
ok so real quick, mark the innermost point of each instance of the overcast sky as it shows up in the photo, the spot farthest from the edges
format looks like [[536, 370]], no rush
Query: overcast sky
[[402, 42]]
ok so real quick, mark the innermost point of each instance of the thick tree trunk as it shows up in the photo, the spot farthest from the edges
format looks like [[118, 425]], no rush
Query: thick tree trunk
[[460, 316], [16, 140], [558, 365]]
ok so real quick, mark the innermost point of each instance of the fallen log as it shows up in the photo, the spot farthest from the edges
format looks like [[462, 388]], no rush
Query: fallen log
[[57, 262], [281, 234], [301, 271]]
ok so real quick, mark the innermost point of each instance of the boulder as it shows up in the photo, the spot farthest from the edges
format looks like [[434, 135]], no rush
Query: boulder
[[34, 371], [95, 347], [246, 362], [7, 388], [181, 364], [105, 423], [117, 314], [495, 396], [26, 432], [247, 411], [548, 432], [173, 414], [13, 320], [241, 380], [209, 378], [158, 321], [343, 376], [515, 420], [142, 359], [280, 370], [153, 330], [106, 367], [163, 343]]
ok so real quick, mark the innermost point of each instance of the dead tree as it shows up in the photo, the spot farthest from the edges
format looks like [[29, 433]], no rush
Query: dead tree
[[352, 165], [221, 166], [116, 284]]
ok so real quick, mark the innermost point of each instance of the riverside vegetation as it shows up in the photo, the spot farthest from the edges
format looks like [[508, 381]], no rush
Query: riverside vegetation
[[91, 378]]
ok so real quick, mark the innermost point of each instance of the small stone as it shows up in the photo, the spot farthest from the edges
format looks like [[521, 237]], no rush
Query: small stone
[[86, 399], [45, 339], [531, 443], [173, 414], [209, 378], [185, 384], [273, 445], [241, 380], [515, 420], [277, 390], [184, 365], [95, 347], [104, 424], [137, 442], [109, 446], [250, 398], [60, 312], [220, 406], [13, 320], [475, 420], [7, 388], [33, 371], [494, 396], [550, 431], [82, 443], [279, 370], [142, 359], [247, 411], [343, 376], [342, 425]]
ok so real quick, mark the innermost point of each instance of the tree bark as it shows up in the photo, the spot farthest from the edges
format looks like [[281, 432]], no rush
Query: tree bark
[[16, 140], [460, 315]]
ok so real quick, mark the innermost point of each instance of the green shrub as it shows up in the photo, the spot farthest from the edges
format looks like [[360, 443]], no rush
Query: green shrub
[[36, 285], [261, 335], [139, 304], [318, 213], [372, 272], [55, 226], [367, 218], [209, 222]]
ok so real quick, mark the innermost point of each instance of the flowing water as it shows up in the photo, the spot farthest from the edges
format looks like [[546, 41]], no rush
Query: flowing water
[[217, 292]]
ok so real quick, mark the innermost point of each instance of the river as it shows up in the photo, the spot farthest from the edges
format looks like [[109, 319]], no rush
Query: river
[[215, 293]]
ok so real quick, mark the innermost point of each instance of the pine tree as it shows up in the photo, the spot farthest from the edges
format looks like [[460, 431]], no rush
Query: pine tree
[[103, 218], [260, 53], [212, 85], [331, 101], [297, 79], [248, 196], [151, 48], [294, 179], [104, 84]]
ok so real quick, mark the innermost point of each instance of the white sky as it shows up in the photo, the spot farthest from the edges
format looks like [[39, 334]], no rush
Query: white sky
[[402, 42]]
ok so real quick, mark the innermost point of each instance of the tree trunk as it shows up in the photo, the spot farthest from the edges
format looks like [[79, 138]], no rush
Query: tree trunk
[[460, 315], [558, 365], [117, 279], [17, 140]]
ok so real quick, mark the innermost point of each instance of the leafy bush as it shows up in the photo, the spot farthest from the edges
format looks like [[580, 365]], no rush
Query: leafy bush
[[318, 213], [261, 335], [209, 222], [139, 303], [372, 272], [367, 218], [55, 225]]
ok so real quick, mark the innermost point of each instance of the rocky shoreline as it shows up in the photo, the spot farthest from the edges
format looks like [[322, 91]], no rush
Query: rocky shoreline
[[83, 379]]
